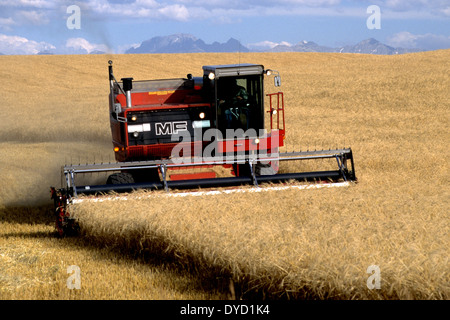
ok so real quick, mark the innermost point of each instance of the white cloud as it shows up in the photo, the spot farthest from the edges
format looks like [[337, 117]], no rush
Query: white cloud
[[402, 39], [232, 10], [146, 3], [139, 9], [313, 3], [81, 45], [225, 11], [176, 12], [446, 11], [421, 41], [25, 12], [405, 5], [28, 3], [33, 17], [21, 45], [124, 47], [219, 10], [251, 3], [264, 45], [413, 8], [6, 23]]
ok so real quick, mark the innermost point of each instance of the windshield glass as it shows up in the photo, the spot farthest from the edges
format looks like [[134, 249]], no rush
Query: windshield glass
[[239, 103]]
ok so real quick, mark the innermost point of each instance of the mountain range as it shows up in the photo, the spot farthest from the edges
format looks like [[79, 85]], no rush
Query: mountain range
[[369, 46], [187, 43]]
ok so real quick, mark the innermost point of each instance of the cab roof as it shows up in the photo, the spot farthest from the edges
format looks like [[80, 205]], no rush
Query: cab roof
[[229, 70]]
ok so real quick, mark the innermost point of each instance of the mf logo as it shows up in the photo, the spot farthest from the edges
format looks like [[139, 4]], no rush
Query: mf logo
[[166, 128]]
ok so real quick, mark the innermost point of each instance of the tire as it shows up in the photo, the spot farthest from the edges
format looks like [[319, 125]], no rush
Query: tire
[[260, 169], [146, 175], [241, 170], [265, 169], [120, 178]]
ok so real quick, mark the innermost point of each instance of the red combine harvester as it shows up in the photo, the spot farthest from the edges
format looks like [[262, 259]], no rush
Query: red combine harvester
[[170, 134]]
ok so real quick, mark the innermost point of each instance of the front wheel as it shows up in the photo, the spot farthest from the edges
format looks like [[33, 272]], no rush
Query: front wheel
[[120, 178], [260, 169], [267, 169]]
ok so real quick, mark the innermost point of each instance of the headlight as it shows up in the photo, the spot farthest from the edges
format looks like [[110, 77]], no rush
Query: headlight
[[133, 118], [201, 115], [274, 111], [211, 76], [135, 134]]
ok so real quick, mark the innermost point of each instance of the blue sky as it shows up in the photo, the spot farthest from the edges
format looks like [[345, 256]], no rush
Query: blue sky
[[30, 26]]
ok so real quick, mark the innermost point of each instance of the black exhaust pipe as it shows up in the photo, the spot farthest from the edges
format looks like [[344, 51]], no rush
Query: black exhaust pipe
[[127, 86]]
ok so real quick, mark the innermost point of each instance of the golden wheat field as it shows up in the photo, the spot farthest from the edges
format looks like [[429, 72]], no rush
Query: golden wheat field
[[393, 111]]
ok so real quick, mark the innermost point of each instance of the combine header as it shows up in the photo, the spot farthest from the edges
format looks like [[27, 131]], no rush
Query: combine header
[[171, 134]]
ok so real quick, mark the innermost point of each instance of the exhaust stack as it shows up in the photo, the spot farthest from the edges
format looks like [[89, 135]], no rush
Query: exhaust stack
[[127, 86]]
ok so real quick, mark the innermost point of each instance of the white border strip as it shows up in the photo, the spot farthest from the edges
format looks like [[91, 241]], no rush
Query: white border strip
[[212, 192]]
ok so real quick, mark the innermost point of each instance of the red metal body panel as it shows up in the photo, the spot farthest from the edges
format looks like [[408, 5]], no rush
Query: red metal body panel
[[160, 98], [188, 176], [166, 106], [274, 140]]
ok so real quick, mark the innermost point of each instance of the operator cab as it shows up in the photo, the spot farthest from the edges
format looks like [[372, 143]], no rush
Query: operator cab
[[236, 92]]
